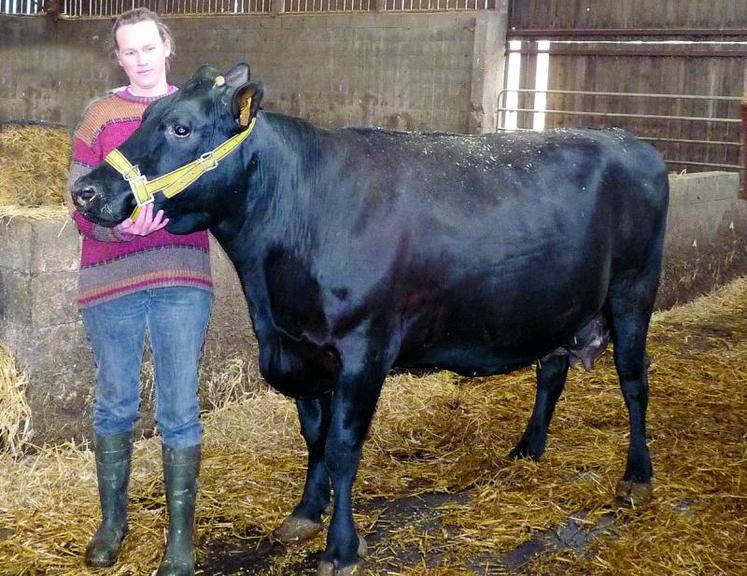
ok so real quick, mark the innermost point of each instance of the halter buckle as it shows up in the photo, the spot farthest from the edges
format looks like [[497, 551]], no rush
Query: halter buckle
[[131, 173], [208, 161], [139, 187]]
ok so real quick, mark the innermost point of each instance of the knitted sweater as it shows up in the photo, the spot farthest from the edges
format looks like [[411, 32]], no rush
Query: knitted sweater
[[113, 264]]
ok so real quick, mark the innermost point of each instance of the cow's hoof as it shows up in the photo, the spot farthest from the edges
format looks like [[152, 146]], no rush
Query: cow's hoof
[[328, 568], [294, 530], [634, 493], [521, 452], [362, 547]]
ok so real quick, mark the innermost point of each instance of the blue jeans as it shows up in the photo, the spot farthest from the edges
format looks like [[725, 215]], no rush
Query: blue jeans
[[176, 319]]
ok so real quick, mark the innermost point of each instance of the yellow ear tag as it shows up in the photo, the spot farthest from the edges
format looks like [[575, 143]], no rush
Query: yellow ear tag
[[246, 109], [219, 81]]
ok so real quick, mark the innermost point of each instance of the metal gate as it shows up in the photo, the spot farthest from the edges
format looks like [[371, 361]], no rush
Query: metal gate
[[670, 72], [529, 112]]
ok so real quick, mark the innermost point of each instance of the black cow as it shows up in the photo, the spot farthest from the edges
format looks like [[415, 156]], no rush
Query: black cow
[[363, 249]]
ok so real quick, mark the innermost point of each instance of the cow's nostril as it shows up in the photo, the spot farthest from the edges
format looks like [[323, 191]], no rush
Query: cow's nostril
[[85, 194]]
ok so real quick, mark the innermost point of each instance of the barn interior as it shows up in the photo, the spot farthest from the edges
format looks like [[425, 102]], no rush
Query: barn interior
[[436, 494]]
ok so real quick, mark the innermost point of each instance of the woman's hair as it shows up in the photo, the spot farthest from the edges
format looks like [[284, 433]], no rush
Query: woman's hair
[[141, 15]]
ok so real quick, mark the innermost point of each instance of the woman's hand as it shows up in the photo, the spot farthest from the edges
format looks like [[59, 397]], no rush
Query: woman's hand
[[146, 223]]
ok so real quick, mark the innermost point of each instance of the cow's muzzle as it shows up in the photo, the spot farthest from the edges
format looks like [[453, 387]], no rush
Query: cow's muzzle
[[89, 201]]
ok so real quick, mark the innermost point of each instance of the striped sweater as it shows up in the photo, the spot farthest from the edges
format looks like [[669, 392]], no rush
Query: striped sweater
[[113, 264]]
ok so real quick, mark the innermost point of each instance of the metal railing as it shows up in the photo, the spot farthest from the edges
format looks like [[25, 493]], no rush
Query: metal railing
[[108, 8], [20, 6], [504, 110]]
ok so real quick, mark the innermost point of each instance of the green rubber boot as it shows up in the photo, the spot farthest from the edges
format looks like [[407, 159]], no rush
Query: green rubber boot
[[180, 470], [113, 456]]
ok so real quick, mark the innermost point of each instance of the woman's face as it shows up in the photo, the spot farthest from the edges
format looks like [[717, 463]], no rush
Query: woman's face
[[142, 53]]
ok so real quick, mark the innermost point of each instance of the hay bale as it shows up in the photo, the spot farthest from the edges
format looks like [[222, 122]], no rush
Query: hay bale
[[34, 164]]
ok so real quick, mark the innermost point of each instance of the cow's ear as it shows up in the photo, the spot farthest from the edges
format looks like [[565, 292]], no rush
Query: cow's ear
[[238, 76], [246, 102]]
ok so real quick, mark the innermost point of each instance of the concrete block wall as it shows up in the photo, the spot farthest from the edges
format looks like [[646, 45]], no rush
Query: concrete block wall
[[40, 322], [707, 235], [437, 71]]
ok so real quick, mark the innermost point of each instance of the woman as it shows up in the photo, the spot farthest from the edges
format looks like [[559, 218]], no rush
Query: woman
[[135, 278]]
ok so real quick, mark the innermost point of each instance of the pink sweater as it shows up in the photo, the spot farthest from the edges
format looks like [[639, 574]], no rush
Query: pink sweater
[[113, 265]]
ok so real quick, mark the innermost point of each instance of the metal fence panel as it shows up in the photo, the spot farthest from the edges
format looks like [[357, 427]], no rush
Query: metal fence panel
[[108, 8]]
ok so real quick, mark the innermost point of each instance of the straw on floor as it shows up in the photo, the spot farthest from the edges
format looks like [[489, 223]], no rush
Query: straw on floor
[[444, 434]]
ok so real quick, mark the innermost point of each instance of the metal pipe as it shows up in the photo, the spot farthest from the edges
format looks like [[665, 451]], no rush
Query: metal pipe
[[686, 141], [634, 94], [638, 52], [684, 162], [621, 115], [549, 33], [504, 109], [709, 164], [647, 138]]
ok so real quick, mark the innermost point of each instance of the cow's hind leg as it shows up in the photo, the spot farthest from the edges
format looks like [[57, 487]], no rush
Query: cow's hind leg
[[630, 306], [306, 520], [551, 377]]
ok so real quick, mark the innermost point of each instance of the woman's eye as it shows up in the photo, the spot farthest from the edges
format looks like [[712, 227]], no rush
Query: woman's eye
[[180, 130]]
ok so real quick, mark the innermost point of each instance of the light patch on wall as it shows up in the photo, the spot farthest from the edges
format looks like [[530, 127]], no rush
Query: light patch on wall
[[513, 77], [540, 85]]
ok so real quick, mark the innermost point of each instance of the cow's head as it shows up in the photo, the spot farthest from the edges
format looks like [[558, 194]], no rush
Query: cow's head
[[180, 138]]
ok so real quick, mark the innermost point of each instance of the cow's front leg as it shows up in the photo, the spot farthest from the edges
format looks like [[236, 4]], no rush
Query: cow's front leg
[[306, 520], [353, 407]]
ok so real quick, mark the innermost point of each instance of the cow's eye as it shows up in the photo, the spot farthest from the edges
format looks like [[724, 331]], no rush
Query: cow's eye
[[180, 130]]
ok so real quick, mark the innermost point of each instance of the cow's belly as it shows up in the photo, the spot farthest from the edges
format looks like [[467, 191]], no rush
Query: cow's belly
[[468, 359], [491, 331]]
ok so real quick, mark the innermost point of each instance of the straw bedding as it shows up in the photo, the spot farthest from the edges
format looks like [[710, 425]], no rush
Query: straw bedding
[[15, 414], [444, 435]]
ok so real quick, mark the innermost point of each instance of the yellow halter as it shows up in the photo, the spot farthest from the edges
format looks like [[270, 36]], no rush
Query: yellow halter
[[176, 180]]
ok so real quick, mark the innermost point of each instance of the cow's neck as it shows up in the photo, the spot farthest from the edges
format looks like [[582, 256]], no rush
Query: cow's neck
[[279, 165]]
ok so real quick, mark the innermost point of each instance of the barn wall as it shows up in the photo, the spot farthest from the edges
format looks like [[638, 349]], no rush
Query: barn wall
[[409, 71], [628, 14]]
